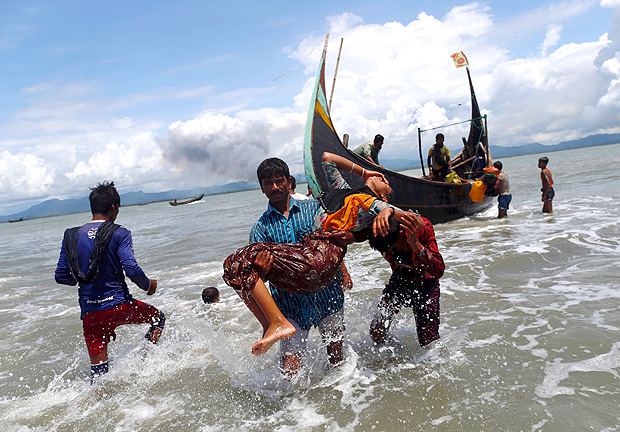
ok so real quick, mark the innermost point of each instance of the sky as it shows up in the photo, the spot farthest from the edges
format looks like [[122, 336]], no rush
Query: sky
[[158, 95]]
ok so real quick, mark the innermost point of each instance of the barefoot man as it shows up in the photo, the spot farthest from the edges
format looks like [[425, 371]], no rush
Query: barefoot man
[[288, 221]]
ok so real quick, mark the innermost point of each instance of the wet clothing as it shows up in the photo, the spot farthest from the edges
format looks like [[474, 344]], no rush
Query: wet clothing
[[307, 310], [503, 202], [308, 267], [547, 183], [98, 255], [368, 149], [108, 288], [291, 289], [301, 268], [416, 285], [330, 327], [549, 194], [422, 297], [504, 196], [99, 325]]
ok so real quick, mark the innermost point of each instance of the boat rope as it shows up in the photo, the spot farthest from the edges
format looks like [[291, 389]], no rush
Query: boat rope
[[453, 124], [311, 51]]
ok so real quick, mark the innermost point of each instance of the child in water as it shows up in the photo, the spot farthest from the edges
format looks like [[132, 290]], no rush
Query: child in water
[[547, 185], [310, 266], [210, 295]]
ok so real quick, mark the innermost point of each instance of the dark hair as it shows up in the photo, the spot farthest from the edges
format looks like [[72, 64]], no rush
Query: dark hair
[[498, 165], [272, 167], [381, 243], [102, 197], [378, 138], [210, 294], [293, 182], [439, 135], [544, 160]]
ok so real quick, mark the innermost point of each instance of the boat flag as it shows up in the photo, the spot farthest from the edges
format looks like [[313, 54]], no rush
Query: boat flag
[[459, 59]]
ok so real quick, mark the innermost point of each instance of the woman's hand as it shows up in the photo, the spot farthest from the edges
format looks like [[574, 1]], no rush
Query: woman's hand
[[381, 223], [369, 173], [411, 223], [341, 238], [263, 261]]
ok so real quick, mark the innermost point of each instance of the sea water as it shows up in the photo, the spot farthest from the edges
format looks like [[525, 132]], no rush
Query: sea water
[[530, 325]]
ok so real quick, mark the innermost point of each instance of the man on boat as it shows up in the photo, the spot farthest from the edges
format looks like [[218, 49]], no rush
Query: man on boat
[[503, 187], [370, 150], [440, 156], [95, 255], [288, 220], [417, 265]]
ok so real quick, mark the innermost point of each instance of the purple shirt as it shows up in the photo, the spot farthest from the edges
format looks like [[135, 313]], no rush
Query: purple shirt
[[109, 289]]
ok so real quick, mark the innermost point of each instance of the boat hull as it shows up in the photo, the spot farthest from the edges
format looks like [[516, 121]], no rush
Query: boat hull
[[191, 200], [437, 201]]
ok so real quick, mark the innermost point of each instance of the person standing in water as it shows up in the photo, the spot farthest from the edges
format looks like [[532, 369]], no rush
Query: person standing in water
[[97, 256], [287, 220], [503, 187], [547, 185], [417, 265]]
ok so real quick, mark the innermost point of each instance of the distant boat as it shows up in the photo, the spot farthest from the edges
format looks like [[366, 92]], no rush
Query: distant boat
[[438, 201], [187, 201], [143, 204], [16, 220]]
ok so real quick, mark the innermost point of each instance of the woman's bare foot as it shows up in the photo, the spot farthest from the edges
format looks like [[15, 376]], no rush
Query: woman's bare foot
[[275, 332]]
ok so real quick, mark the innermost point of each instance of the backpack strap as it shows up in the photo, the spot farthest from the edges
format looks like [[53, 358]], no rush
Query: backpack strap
[[102, 240]]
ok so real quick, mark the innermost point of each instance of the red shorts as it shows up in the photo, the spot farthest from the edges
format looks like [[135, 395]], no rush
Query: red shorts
[[99, 326]]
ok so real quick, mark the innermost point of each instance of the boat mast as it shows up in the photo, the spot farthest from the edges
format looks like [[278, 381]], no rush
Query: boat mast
[[329, 106], [420, 150]]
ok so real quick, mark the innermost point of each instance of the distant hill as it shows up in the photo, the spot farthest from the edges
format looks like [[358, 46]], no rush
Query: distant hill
[[589, 141], [509, 151], [56, 207]]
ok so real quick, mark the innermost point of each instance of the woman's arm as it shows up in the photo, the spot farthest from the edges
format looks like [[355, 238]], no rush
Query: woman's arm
[[346, 165]]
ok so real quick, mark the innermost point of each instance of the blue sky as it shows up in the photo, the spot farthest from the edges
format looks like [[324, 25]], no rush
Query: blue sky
[[169, 95]]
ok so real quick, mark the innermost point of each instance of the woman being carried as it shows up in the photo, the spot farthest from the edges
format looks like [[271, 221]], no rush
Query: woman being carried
[[310, 266]]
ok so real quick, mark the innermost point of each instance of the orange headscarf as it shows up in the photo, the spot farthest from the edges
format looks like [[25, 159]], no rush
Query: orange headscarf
[[346, 217]]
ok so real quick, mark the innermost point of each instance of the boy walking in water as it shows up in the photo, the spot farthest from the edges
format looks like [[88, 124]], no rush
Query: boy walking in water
[[503, 187], [95, 255], [547, 185]]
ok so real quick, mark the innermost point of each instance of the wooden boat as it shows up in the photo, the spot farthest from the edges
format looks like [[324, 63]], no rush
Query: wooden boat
[[438, 201], [187, 201], [16, 220]]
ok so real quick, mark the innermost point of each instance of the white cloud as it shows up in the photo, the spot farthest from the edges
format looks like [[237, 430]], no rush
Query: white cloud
[[392, 79], [25, 175], [552, 37]]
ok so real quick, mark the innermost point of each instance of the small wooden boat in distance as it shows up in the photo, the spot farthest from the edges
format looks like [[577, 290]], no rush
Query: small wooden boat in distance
[[187, 201], [16, 220]]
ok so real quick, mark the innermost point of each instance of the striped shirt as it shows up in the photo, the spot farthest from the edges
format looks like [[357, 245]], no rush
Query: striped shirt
[[307, 310]]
